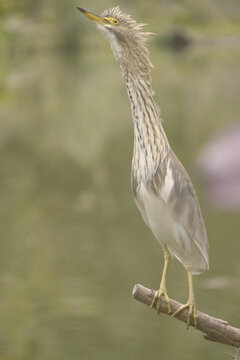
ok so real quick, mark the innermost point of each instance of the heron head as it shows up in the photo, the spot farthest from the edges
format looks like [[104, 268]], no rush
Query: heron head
[[124, 34], [107, 20]]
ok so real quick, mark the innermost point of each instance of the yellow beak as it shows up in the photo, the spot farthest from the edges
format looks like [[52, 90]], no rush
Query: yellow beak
[[98, 19]]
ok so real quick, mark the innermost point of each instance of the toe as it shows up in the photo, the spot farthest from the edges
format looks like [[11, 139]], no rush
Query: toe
[[156, 303], [192, 315], [168, 303], [180, 309], [155, 300]]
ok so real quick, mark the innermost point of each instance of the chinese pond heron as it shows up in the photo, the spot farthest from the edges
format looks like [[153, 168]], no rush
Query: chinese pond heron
[[162, 189]]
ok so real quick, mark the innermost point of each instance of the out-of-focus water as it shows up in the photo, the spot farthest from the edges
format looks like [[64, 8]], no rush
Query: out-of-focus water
[[72, 242]]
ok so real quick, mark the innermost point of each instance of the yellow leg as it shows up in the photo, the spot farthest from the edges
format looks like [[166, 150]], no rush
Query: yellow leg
[[191, 301], [162, 289]]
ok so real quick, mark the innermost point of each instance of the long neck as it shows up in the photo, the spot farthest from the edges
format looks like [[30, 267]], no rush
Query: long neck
[[150, 142]]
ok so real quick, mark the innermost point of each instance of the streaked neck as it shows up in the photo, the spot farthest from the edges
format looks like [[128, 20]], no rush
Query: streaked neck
[[150, 142]]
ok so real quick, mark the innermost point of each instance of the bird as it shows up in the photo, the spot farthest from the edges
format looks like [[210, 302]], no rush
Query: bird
[[161, 187]]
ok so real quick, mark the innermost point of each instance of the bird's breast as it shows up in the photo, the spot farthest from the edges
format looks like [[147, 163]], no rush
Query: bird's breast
[[143, 164], [156, 212]]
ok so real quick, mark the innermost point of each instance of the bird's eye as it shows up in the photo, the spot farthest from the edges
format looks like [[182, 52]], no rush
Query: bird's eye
[[111, 20]]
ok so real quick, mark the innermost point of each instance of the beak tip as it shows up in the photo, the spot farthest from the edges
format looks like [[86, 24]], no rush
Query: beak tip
[[91, 16], [80, 9]]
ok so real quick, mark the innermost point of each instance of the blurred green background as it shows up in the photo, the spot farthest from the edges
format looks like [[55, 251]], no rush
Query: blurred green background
[[72, 242]]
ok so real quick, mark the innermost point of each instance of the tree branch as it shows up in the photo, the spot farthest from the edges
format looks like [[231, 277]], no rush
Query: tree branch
[[215, 329]]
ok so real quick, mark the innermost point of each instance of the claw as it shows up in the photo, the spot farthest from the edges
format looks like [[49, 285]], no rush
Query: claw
[[156, 300], [191, 314]]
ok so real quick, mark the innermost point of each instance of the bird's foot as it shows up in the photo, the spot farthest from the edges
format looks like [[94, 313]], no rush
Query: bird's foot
[[192, 314], [157, 298]]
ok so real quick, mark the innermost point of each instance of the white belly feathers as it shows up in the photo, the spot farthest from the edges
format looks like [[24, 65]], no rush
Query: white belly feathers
[[171, 234]]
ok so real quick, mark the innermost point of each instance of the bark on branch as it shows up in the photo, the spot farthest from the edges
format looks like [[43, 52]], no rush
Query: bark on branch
[[215, 329]]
